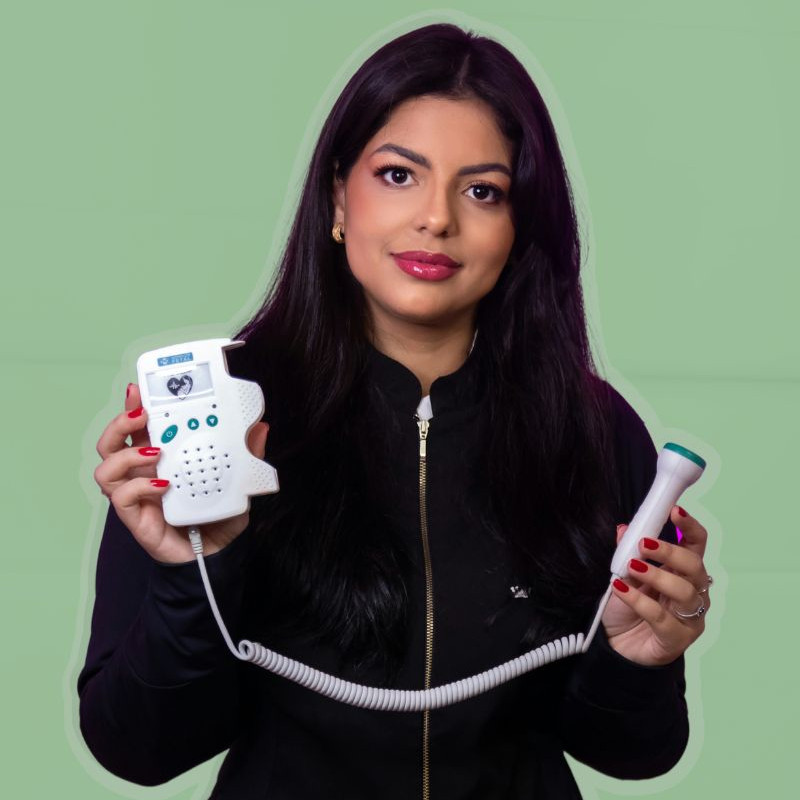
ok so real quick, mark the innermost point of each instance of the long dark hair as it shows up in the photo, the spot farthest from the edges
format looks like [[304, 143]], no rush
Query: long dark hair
[[338, 577]]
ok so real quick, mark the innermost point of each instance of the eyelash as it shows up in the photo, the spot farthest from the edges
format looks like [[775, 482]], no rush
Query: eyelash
[[499, 194]]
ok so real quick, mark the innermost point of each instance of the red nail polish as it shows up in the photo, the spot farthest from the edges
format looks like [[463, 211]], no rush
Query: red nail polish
[[638, 566], [149, 451], [137, 412], [682, 512], [620, 586], [159, 483], [650, 544], [128, 390]]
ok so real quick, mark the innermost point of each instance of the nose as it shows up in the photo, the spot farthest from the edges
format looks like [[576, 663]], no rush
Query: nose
[[437, 214]]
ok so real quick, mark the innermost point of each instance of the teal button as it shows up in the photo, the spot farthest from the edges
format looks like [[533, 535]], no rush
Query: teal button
[[212, 420], [169, 434], [193, 424]]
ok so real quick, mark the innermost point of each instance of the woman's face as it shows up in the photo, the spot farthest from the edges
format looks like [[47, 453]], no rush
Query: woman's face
[[427, 220]]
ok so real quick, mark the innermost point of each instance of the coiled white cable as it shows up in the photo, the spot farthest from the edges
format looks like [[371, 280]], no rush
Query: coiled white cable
[[380, 699]]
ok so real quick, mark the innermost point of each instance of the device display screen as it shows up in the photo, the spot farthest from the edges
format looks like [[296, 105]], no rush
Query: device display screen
[[167, 386]]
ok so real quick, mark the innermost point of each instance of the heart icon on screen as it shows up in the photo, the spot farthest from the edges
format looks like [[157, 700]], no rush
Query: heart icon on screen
[[180, 387]]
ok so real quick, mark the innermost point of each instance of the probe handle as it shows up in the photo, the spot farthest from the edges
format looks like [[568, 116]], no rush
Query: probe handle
[[677, 468]]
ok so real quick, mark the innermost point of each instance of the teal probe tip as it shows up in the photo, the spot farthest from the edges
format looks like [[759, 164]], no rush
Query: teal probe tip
[[682, 451]]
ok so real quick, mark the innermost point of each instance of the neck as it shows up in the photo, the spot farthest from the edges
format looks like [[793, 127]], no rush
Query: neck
[[428, 352]]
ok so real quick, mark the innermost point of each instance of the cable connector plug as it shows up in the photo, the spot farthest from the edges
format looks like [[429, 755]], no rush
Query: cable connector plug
[[196, 541]]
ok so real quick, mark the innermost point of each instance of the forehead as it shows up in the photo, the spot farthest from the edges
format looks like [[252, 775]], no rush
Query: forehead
[[463, 131]]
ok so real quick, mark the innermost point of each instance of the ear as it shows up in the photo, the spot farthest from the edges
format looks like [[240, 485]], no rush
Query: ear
[[338, 197]]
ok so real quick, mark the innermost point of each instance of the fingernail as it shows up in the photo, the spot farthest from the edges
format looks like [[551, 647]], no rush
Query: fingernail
[[650, 544], [620, 586], [681, 512], [128, 390], [137, 412], [149, 451], [638, 566], [159, 483]]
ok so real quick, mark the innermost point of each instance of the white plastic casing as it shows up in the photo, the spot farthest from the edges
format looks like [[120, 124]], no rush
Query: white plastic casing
[[674, 473], [199, 416]]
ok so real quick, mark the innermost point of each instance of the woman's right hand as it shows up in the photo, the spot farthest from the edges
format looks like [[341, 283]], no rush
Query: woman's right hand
[[127, 476]]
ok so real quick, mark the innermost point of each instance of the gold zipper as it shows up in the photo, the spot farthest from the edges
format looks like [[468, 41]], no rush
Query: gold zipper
[[423, 425]]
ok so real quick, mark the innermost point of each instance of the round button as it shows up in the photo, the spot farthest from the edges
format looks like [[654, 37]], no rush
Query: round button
[[212, 420], [193, 424], [169, 434]]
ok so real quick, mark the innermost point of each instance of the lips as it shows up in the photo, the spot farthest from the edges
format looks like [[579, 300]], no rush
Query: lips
[[426, 266], [424, 257]]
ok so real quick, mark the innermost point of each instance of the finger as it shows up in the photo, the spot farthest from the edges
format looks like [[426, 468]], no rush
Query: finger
[[133, 400], [257, 439], [128, 423], [672, 636], [678, 590], [117, 466], [621, 528], [676, 558], [694, 535], [130, 499]]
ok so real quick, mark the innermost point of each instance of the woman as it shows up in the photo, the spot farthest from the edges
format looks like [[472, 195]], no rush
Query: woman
[[452, 471]]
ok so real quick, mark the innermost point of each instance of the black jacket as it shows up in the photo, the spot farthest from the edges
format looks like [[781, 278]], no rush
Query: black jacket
[[160, 693]]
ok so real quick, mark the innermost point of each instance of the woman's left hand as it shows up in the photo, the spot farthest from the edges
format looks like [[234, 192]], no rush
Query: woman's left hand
[[643, 622]]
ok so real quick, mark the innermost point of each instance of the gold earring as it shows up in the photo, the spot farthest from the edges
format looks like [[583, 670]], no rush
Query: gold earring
[[338, 233]]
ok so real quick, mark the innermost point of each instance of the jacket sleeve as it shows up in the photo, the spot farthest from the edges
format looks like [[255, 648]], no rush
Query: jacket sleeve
[[619, 717], [158, 691]]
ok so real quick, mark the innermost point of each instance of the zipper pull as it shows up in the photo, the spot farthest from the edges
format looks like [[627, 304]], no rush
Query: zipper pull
[[423, 425]]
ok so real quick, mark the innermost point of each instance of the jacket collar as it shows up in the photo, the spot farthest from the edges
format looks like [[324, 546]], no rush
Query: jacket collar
[[403, 391]]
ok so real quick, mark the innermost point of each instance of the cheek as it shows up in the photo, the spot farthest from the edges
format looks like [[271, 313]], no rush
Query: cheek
[[498, 250], [497, 241], [357, 202], [359, 228], [368, 215]]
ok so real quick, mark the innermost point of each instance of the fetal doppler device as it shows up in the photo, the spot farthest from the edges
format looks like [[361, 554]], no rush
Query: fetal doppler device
[[200, 415]]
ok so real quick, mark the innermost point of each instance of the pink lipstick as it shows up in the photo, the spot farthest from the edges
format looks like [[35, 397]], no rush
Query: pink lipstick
[[426, 266]]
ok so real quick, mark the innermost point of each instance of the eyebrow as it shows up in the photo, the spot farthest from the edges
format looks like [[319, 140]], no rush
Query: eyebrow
[[489, 166]]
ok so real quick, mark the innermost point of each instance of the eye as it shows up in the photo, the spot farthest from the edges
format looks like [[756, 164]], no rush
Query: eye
[[394, 175], [486, 193]]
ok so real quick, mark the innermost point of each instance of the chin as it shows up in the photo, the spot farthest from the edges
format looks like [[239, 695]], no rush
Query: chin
[[431, 317]]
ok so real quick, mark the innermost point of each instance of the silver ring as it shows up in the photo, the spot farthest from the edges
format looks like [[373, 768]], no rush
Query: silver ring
[[696, 614], [708, 586]]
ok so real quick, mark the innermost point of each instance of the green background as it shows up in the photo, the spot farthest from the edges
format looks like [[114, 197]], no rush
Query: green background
[[151, 155]]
